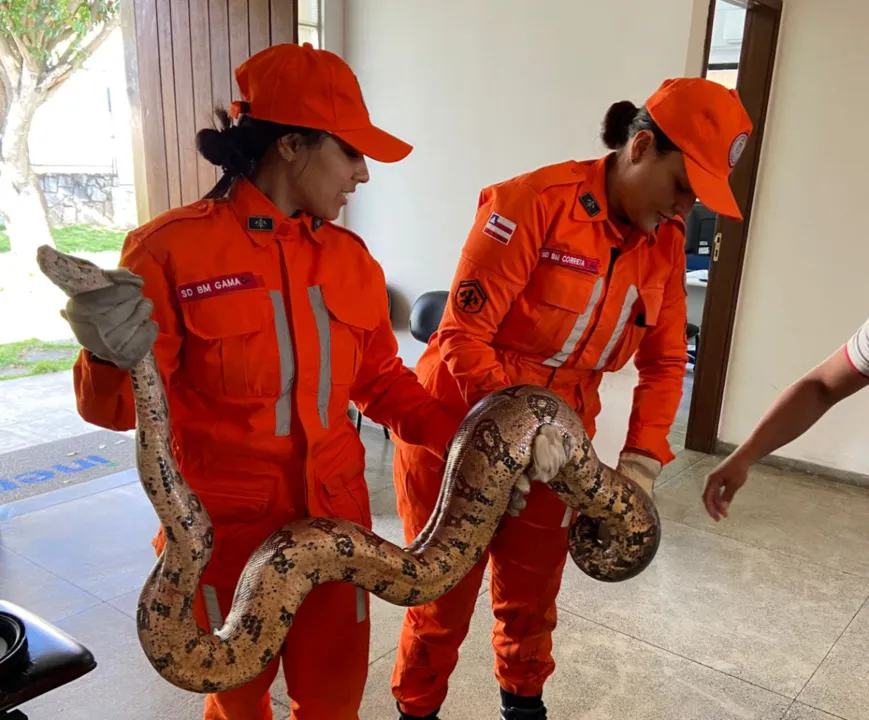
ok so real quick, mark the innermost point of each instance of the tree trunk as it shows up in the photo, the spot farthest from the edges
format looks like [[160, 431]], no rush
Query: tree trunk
[[22, 204]]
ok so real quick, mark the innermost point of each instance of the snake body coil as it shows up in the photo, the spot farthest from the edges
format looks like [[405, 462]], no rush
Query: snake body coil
[[490, 452]]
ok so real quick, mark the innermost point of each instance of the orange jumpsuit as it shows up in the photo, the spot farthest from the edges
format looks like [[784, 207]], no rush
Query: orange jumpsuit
[[269, 327], [548, 291]]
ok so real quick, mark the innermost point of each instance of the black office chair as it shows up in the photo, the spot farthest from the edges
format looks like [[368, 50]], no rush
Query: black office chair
[[359, 414], [426, 314], [699, 236], [692, 332], [37, 659]]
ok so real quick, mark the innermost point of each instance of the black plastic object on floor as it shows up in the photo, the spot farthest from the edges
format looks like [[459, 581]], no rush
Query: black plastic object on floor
[[13, 645], [49, 659]]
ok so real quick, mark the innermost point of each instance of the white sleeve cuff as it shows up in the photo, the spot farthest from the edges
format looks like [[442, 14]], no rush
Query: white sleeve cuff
[[857, 350]]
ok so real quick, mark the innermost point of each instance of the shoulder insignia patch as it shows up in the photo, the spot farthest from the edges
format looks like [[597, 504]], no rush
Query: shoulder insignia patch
[[260, 222], [499, 228], [588, 201], [470, 297]]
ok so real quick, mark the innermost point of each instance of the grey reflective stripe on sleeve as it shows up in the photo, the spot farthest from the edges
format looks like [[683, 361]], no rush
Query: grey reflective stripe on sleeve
[[212, 608], [579, 327], [630, 298], [321, 316], [568, 516], [284, 405]]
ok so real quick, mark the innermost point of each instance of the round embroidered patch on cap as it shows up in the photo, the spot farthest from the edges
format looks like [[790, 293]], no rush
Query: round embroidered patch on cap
[[736, 148]]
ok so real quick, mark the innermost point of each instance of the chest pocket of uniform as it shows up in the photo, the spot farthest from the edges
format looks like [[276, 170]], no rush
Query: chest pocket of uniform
[[653, 299], [555, 309], [349, 317], [640, 322], [232, 346]]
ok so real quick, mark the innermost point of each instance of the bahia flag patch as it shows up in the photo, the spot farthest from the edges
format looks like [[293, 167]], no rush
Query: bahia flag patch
[[499, 227]]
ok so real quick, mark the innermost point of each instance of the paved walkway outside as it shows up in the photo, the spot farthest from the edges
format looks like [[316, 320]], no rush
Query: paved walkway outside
[[44, 443]]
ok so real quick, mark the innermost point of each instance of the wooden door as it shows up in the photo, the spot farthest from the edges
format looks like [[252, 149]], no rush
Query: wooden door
[[760, 37], [180, 56]]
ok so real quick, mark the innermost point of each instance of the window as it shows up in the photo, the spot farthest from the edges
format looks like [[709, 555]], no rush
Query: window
[[309, 22]]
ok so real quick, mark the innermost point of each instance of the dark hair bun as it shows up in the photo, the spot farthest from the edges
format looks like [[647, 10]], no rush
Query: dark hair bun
[[212, 145], [617, 124], [225, 146]]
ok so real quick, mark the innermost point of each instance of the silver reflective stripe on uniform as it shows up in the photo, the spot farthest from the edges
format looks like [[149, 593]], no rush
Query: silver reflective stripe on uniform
[[285, 355], [568, 516], [212, 609], [579, 328], [361, 608], [321, 316], [630, 298]]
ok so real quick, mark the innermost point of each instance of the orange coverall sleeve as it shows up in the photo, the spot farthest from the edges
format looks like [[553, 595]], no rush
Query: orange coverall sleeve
[[660, 360], [390, 394], [491, 273], [104, 393]]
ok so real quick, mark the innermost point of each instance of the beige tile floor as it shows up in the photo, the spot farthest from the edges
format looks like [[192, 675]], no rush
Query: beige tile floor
[[761, 617]]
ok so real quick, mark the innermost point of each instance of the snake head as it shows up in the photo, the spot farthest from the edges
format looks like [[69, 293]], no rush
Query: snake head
[[71, 274]]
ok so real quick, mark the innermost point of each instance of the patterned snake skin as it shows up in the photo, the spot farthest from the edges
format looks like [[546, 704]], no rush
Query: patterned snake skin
[[490, 452]]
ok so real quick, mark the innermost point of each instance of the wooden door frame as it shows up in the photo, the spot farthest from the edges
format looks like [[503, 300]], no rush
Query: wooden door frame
[[725, 272], [170, 47]]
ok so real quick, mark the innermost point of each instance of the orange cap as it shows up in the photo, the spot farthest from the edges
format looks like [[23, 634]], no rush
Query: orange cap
[[709, 124], [298, 85]]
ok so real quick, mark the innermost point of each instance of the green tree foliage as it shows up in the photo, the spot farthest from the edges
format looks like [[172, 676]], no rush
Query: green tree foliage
[[42, 43]]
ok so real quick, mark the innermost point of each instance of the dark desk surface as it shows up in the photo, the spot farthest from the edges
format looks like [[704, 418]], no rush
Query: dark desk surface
[[55, 660]]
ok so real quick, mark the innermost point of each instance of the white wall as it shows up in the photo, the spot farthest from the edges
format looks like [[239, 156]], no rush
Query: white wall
[[486, 90], [804, 289]]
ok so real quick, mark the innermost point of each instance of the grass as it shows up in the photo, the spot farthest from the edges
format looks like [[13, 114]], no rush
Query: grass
[[22, 359], [77, 238]]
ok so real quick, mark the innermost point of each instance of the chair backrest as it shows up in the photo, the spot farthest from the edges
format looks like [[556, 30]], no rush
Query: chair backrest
[[700, 230], [426, 314]]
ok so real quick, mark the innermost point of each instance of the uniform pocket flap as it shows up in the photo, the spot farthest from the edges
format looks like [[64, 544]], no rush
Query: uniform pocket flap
[[562, 287], [349, 308], [653, 299], [228, 315]]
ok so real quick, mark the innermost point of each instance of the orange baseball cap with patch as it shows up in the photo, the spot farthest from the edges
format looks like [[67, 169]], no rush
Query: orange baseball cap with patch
[[299, 85], [711, 127]]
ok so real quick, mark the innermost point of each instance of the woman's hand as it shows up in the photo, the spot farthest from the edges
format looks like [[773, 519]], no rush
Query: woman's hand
[[722, 484]]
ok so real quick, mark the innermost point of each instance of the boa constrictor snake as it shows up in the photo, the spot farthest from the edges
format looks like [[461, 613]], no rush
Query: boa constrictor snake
[[488, 455]]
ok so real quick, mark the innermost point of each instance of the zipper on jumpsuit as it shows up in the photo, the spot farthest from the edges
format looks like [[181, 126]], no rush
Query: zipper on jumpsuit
[[615, 253], [285, 274]]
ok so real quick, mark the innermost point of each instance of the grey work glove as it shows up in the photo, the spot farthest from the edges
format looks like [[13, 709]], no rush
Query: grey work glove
[[114, 323], [642, 469], [549, 453]]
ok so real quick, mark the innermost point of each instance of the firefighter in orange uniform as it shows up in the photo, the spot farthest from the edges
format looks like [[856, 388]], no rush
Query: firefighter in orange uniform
[[569, 272], [266, 321]]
